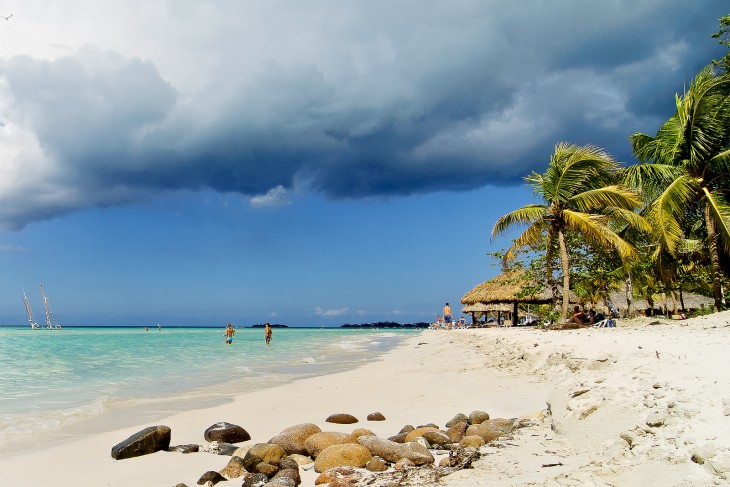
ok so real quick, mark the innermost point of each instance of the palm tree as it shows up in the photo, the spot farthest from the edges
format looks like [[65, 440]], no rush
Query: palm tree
[[688, 163], [579, 195]]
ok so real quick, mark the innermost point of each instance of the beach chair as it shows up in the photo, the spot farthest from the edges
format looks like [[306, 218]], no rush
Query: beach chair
[[605, 323]]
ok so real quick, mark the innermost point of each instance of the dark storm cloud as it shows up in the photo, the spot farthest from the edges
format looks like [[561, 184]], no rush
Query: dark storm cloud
[[353, 100]]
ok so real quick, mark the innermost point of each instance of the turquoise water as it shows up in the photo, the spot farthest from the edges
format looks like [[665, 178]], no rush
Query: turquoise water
[[56, 384]]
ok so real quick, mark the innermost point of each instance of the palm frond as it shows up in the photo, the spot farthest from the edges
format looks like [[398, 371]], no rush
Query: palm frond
[[667, 211], [720, 212], [530, 236], [595, 230], [607, 196], [525, 215]]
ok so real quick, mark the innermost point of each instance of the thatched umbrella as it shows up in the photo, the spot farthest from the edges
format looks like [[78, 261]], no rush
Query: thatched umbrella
[[506, 289]]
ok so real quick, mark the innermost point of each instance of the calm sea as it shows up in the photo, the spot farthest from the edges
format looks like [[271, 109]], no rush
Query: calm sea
[[77, 381]]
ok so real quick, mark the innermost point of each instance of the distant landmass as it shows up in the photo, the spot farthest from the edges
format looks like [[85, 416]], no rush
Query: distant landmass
[[387, 324], [272, 326]]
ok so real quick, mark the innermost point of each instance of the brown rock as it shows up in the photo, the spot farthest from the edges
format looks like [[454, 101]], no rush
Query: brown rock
[[403, 464], [406, 429], [473, 441], [418, 433], [489, 430], [211, 478], [376, 417], [392, 451], [324, 439], [234, 469], [266, 468], [289, 462], [288, 473], [345, 455], [457, 431], [341, 418], [504, 425], [376, 464], [399, 438], [332, 474], [292, 439], [437, 438], [226, 433], [478, 417], [301, 459], [254, 480], [358, 432], [192, 448], [149, 440], [263, 453], [461, 417]]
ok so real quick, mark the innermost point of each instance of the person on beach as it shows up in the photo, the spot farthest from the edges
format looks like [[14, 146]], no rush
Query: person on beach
[[267, 333], [447, 314], [229, 333], [577, 317]]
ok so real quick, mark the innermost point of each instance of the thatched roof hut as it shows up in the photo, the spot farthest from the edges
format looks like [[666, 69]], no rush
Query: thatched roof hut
[[691, 300], [503, 291]]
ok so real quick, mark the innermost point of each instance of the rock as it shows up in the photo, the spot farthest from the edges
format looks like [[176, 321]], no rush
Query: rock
[[300, 459], [376, 417], [345, 455], [226, 433], [289, 462], [266, 468], [473, 441], [288, 473], [376, 464], [418, 432], [292, 439], [423, 442], [429, 425], [184, 448], [211, 478], [456, 432], [263, 453], [403, 464], [341, 418], [392, 451], [478, 417], [399, 438], [459, 418], [149, 440], [254, 480], [406, 429], [180, 485], [358, 432], [219, 448], [445, 462], [334, 474], [241, 451], [324, 439], [491, 429], [281, 482], [437, 438], [234, 469]]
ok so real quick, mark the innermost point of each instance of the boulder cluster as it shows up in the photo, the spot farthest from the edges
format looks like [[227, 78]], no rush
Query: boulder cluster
[[341, 459]]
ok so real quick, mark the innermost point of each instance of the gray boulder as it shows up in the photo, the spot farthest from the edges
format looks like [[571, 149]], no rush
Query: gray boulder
[[211, 478], [149, 440]]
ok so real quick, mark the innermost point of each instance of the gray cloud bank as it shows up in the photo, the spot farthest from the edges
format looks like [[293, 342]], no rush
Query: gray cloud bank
[[351, 99]]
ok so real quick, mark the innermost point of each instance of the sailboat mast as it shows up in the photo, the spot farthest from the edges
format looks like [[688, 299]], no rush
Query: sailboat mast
[[28, 311], [47, 308]]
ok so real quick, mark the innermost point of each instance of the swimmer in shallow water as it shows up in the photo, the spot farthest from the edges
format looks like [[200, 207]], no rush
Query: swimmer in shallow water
[[229, 334]]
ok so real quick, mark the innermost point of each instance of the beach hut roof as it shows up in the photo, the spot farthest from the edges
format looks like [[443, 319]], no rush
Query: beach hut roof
[[487, 307], [506, 288], [691, 300]]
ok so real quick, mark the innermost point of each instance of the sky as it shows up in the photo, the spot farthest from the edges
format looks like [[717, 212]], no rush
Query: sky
[[305, 163]]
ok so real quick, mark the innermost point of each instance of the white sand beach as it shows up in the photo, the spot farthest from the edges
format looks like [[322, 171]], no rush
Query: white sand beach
[[646, 403]]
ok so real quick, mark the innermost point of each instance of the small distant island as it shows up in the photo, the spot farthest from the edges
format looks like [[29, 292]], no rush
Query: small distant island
[[271, 325], [387, 324]]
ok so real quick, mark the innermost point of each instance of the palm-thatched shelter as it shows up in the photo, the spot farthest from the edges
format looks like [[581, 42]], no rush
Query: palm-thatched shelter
[[691, 301], [506, 290]]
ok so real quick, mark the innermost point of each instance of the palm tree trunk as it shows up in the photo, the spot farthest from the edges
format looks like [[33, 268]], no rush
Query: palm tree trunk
[[565, 259], [714, 258], [549, 268], [629, 295]]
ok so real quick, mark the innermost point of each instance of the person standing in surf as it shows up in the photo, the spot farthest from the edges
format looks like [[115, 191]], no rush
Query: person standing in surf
[[267, 333], [229, 334]]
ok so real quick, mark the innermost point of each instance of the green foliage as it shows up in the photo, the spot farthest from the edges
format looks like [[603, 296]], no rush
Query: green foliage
[[723, 36]]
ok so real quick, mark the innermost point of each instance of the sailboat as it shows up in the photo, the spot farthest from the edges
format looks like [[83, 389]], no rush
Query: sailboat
[[50, 322], [31, 322]]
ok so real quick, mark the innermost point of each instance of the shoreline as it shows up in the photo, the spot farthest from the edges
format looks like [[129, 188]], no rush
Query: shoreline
[[598, 389]]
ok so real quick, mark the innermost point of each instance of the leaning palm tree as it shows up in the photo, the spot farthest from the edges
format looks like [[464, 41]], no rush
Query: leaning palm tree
[[688, 163], [580, 195]]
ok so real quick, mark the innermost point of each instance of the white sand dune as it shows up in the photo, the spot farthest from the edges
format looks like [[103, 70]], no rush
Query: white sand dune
[[640, 404]]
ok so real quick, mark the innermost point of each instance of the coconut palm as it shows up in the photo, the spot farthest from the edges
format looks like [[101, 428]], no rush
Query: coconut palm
[[687, 163], [579, 195]]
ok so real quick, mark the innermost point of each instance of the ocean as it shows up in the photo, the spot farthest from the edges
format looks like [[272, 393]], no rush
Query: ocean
[[59, 384]]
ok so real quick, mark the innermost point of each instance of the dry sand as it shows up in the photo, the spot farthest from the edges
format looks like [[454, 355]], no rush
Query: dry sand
[[646, 403]]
